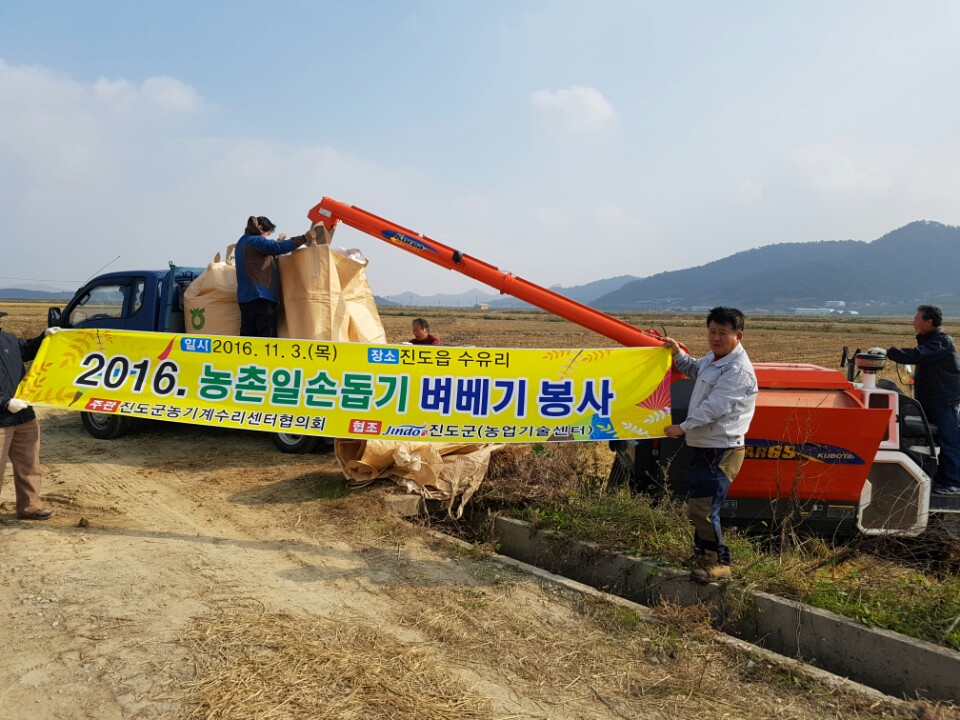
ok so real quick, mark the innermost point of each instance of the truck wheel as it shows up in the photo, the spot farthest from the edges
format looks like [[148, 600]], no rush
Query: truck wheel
[[294, 444], [105, 426]]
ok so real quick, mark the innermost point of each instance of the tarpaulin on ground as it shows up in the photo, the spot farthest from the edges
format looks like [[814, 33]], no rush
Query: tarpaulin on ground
[[357, 390], [437, 471]]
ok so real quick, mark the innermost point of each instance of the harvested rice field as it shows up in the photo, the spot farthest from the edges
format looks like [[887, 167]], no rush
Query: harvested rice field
[[201, 574]]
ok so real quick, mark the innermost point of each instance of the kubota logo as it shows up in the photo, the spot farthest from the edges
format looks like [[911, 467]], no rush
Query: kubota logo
[[403, 239], [197, 320], [814, 452]]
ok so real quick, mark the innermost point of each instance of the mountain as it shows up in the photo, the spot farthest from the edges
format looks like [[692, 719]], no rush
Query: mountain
[[919, 262], [468, 298], [591, 291], [585, 294], [581, 293], [27, 294]]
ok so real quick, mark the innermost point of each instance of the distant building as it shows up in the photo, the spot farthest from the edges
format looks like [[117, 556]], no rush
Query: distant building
[[482, 306], [814, 311], [835, 303]]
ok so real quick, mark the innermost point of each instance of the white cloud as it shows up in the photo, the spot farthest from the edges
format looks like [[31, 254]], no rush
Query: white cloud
[[54, 126], [748, 193], [833, 168], [31, 87], [923, 177], [156, 93], [107, 168], [574, 109]]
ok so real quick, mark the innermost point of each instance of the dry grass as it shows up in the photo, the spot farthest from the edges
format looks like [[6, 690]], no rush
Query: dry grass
[[254, 664], [527, 473], [493, 648], [590, 652], [24, 319]]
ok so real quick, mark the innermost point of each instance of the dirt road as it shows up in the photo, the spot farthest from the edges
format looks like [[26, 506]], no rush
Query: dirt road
[[195, 573]]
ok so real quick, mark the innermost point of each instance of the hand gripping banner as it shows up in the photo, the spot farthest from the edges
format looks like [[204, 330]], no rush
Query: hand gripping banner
[[335, 389]]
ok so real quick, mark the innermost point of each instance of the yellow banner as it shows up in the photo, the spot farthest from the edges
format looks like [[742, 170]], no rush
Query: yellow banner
[[422, 393]]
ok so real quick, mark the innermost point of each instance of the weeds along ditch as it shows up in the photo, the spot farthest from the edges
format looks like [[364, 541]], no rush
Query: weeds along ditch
[[908, 585]]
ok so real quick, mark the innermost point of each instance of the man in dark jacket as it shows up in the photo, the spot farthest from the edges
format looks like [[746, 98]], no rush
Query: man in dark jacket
[[257, 280], [937, 389], [19, 429]]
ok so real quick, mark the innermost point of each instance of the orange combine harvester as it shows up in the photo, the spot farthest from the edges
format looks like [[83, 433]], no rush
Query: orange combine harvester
[[839, 456]]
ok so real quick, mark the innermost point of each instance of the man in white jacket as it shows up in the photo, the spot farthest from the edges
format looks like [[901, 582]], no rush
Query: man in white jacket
[[721, 407]]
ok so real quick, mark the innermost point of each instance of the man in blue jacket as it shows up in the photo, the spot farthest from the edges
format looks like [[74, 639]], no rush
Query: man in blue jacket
[[937, 389], [257, 279], [19, 430]]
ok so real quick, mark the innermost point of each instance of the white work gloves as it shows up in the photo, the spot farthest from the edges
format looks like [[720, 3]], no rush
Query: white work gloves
[[15, 405], [51, 331]]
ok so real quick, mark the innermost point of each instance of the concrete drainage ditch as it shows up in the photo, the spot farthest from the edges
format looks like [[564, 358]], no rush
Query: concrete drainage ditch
[[890, 662]]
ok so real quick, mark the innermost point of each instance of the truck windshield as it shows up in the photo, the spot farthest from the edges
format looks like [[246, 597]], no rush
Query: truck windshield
[[114, 301]]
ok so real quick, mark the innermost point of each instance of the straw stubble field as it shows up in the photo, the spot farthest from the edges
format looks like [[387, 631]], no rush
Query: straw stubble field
[[203, 575], [768, 338]]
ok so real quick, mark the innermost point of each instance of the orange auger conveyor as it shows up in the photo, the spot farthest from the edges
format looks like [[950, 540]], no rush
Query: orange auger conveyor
[[820, 448], [329, 212]]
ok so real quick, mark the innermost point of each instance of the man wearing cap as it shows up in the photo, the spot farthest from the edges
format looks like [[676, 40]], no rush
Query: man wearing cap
[[257, 280], [19, 429]]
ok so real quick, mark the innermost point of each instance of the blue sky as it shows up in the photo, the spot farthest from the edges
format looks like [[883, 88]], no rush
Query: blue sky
[[563, 141]]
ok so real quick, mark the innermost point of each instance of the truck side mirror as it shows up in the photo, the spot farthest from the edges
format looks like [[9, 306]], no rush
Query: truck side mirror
[[53, 317]]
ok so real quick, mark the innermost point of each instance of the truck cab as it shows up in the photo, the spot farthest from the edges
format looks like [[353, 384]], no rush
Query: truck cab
[[144, 300], [138, 300]]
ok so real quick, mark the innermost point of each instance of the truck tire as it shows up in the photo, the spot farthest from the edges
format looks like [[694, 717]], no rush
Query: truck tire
[[294, 444], [105, 426]]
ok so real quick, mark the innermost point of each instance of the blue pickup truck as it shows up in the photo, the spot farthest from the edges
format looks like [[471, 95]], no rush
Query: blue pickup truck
[[141, 300]]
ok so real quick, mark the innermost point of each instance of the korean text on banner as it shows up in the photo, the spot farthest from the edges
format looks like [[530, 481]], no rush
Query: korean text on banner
[[355, 390]]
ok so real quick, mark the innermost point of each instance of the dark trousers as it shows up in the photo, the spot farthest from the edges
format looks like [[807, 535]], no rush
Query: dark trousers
[[948, 462], [258, 318], [711, 472]]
